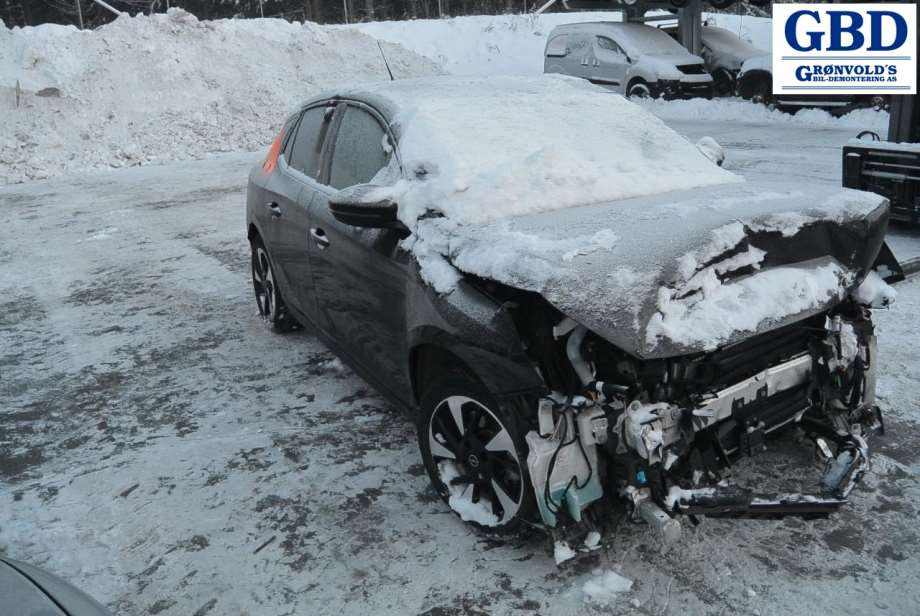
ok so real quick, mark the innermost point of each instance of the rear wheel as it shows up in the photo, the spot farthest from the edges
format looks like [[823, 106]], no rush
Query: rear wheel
[[475, 454], [268, 295]]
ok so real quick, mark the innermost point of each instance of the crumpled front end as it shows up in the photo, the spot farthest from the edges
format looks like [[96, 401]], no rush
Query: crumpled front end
[[657, 436]]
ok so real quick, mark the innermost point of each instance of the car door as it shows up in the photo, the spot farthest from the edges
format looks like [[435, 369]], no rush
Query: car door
[[581, 55], [360, 274], [296, 183], [610, 63]]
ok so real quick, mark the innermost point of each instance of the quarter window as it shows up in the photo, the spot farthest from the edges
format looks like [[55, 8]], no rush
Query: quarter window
[[557, 46], [359, 149], [308, 144]]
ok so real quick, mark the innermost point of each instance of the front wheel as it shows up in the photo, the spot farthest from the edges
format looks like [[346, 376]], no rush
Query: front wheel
[[268, 295], [639, 89], [475, 454]]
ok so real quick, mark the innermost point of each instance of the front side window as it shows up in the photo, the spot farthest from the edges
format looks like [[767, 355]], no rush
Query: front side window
[[557, 46], [360, 150], [605, 43], [308, 144]]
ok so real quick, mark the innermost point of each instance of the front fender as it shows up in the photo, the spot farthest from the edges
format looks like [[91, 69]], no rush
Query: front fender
[[475, 329]]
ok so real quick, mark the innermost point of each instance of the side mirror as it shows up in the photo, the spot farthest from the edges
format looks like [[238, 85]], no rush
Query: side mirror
[[366, 206]]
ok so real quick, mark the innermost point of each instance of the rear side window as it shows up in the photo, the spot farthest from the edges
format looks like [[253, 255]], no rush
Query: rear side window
[[359, 149], [308, 144], [557, 46]]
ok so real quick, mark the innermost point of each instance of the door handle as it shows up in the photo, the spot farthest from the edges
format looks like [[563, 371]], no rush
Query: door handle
[[319, 238], [274, 209]]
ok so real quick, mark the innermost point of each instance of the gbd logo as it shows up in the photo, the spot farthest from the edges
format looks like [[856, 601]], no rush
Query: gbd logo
[[856, 49], [846, 30]]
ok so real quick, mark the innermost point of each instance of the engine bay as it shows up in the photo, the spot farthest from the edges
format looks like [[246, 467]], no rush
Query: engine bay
[[655, 437]]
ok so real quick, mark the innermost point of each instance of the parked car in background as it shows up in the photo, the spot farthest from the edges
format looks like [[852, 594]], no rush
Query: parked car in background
[[755, 82], [724, 52], [564, 353], [29, 591], [633, 59]]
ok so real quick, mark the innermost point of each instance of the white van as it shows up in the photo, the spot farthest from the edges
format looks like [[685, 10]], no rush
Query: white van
[[633, 59]]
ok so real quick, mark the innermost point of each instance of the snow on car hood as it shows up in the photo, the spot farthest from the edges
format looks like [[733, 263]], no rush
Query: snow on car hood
[[687, 271], [478, 150], [665, 64], [726, 49]]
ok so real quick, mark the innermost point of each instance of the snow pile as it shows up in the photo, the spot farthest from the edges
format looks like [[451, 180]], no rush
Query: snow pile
[[605, 587], [513, 44], [483, 149], [737, 110], [168, 86]]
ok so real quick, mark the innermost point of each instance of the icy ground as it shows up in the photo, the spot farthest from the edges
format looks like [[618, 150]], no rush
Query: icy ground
[[163, 450]]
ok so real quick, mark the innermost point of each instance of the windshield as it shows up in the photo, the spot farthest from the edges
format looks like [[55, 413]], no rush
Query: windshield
[[638, 39]]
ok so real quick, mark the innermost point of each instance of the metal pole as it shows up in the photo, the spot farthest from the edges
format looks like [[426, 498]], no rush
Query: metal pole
[[345, 7], [440, 11], [79, 14], [261, 10], [107, 6], [548, 4]]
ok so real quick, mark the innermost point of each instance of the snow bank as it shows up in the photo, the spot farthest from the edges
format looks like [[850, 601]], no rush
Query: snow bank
[[513, 44], [168, 86], [738, 110], [483, 149]]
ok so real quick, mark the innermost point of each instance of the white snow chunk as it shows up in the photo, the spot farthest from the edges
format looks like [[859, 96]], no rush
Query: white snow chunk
[[480, 150], [875, 292], [677, 495], [562, 552], [713, 314], [461, 498], [711, 149], [592, 540], [605, 587]]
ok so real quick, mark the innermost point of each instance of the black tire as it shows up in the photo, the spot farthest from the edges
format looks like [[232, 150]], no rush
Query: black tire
[[495, 475], [268, 295], [762, 92], [723, 84], [638, 89]]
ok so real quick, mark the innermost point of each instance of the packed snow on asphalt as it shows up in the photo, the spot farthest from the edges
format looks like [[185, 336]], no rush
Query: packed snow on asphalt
[[166, 452]]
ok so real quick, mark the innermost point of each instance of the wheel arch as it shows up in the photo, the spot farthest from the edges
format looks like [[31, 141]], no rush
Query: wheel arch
[[427, 361], [252, 232], [748, 82], [500, 375]]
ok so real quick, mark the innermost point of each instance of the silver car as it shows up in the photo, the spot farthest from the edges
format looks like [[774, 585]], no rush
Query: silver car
[[633, 59], [724, 53]]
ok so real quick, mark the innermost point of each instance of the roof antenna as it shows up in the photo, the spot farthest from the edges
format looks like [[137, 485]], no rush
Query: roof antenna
[[387, 64]]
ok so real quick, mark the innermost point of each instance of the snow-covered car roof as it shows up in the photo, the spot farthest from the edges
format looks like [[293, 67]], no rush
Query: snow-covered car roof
[[636, 39], [480, 149], [723, 41]]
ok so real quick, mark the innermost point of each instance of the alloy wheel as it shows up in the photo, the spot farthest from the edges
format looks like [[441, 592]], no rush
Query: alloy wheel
[[476, 457], [263, 280]]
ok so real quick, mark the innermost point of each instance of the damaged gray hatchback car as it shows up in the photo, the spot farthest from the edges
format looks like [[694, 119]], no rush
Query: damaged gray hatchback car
[[582, 312]]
